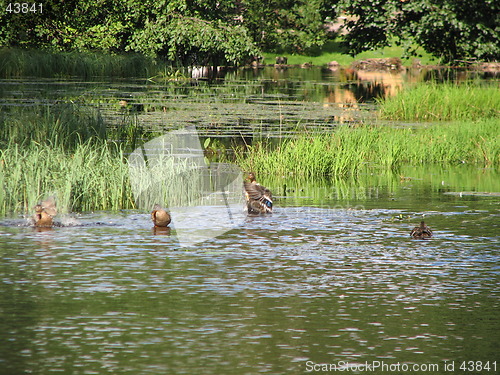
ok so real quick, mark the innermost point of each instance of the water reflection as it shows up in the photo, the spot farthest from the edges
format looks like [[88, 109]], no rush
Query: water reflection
[[384, 84]]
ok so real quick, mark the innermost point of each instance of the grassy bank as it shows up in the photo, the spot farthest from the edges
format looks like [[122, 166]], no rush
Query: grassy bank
[[438, 102], [333, 51], [348, 150], [16, 62]]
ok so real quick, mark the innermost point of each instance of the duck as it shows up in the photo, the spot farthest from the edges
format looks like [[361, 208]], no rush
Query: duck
[[259, 198], [422, 231], [160, 217], [45, 211]]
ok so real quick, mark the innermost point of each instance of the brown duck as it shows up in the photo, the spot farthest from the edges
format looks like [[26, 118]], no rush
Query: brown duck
[[259, 198], [44, 213], [160, 217], [422, 231]]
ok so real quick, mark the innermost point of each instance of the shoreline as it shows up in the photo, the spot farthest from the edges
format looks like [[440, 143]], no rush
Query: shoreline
[[394, 64]]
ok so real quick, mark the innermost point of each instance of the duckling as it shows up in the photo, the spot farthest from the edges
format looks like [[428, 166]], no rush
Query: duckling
[[160, 217], [422, 231], [259, 198], [44, 213]]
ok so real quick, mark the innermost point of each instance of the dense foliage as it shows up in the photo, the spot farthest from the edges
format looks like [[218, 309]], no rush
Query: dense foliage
[[288, 25], [187, 32], [450, 29], [218, 32]]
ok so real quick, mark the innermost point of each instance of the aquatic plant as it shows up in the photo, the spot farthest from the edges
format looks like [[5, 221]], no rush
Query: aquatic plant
[[165, 179], [16, 62], [348, 150], [63, 125], [442, 102], [66, 125], [92, 177], [96, 175]]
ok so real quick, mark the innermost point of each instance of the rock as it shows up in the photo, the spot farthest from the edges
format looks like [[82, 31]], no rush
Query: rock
[[281, 60], [392, 63]]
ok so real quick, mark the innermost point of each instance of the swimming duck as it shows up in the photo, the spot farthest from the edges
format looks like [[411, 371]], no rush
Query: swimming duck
[[259, 198], [422, 231], [44, 213], [160, 217]]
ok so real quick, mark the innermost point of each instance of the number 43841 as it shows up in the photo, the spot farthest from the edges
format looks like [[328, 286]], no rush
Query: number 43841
[[478, 366], [24, 8]]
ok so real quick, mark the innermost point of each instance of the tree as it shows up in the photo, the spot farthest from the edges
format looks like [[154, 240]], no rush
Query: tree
[[287, 25], [450, 29], [183, 31], [187, 32], [70, 25], [198, 32]]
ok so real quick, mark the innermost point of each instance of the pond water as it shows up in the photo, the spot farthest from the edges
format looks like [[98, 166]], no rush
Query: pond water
[[249, 104], [332, 277]]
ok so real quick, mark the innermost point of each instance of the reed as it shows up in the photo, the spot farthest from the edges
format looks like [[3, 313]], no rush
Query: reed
[[348, 150], [442, 102], [166, 180], [96, 175], [92, 177], [64, 125], [16, 62], [67, 151]]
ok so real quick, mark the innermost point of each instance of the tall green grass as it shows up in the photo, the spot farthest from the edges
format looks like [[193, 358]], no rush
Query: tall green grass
[[93, 176], [438, 102], [64, 125], [16, 62], [349, 150], [64, 150], [96, 175]]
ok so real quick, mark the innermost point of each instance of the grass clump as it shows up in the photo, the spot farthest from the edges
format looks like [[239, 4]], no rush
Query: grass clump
[[17, 62], [64, 150], [64, 125], [347, 151], [93, 176], [442, 102]]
